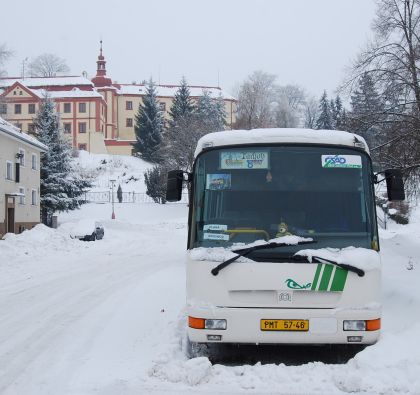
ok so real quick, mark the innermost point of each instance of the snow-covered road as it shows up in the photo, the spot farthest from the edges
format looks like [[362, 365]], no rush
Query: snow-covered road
[[104, 317]]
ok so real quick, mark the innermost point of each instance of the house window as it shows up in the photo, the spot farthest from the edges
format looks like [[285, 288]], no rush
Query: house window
[[18, 108], [34, 197], [67, 127], [22, 198], [31, 128], [128, 105], [9, 170], [82, 147], [34, 162], [3, 108], [31, 108], [129, 122], [162, 106], [82, 127], [22, 157], [82, 107], [67, 107]]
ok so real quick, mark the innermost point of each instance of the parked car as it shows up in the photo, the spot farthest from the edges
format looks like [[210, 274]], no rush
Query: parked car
[[87, 230]]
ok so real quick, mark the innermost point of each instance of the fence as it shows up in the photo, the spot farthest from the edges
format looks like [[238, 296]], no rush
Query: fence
[[127, 197]]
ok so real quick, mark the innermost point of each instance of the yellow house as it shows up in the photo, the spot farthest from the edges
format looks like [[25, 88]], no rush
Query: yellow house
[[97, 115], [19, 179]]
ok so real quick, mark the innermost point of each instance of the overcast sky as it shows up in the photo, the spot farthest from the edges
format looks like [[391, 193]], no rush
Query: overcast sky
[[308, 42]]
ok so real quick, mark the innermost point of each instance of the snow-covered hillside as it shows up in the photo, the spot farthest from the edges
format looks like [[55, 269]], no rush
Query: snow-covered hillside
[[107, 317], [127, 171]]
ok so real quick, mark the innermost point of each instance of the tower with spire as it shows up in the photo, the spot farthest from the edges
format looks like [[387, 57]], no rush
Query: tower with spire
[[101, 79]]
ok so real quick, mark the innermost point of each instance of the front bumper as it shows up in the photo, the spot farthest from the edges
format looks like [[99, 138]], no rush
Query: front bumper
[[243, 326]]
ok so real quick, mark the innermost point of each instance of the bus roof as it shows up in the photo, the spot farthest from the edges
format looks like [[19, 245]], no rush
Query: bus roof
[[270, 136]]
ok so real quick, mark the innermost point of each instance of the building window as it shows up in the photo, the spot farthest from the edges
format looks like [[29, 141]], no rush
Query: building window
[[82, 147], [82, 127], [128, 105], [22, 198], [82, 107], [18, 108], [34, 162], [129, 122], [34, 197], [3, 108], [22, 157], [9, 170], [67, 107], [162, 106], [67, 127], [31, 108], [31, 128]]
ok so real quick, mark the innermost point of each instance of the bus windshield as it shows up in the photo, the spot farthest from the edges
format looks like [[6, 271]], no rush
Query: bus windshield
[[241, 195]]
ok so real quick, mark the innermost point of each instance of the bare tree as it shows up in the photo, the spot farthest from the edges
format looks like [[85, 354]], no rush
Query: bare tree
[[254, 101], [391, 60], [47, 65], [310, 112], [5, 54], [287, 107]]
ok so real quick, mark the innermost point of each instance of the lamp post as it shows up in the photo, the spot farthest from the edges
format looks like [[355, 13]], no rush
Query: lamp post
[[112, 197]]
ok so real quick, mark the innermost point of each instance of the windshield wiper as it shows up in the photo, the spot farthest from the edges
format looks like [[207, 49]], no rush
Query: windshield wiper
[[318, 259], [245, 251]]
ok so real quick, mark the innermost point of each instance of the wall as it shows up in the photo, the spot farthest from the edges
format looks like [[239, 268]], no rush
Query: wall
[[25, 214]]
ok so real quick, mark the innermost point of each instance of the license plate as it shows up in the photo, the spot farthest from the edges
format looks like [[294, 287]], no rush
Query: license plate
[[284, 325]]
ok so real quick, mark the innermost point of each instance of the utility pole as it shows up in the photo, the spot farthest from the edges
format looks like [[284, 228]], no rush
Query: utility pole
[[112, 197]]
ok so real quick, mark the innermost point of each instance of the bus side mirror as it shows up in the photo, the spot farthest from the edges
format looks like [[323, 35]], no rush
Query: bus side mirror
[[174, 185], [394, 184]]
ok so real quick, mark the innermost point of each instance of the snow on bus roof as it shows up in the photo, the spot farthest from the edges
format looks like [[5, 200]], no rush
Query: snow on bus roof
[[261, 136]]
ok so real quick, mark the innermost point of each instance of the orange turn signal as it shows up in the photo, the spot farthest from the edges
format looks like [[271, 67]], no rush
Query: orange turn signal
[[373, 325], [196, 323]]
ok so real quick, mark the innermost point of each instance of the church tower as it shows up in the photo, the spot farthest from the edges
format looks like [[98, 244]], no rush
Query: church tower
[[101, 79]]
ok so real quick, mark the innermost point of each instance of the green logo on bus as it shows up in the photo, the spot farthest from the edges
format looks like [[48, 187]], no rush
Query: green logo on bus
[[294, 285], [327, 278]]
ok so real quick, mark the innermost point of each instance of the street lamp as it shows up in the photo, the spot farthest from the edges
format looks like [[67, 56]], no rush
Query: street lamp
[[112, 197]]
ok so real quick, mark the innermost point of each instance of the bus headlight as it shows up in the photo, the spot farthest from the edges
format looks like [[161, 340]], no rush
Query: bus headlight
[[215, 324], [203, 323], [362, 325], [354, 325]]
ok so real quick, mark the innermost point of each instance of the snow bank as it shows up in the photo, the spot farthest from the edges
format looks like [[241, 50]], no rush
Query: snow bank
[[388, 367], [361, 258], [34, 243]]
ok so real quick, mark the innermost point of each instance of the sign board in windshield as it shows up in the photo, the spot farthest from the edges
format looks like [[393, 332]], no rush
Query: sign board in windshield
[[244, 160]]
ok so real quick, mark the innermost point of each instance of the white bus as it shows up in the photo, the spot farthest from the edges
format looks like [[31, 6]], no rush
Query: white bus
[[283, 242]]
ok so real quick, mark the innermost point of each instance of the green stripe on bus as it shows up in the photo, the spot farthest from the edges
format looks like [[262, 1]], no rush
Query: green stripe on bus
[[315, 281], [325, 279], [339, 279]]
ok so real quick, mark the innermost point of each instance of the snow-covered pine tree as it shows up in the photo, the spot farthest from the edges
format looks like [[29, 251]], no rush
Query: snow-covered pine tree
[[182, 105], [211, 112], [148, 126], [62, 187], [337, 113], [324, 117]]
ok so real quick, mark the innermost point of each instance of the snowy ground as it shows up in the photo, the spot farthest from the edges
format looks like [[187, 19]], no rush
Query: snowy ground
[[106, 317]]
